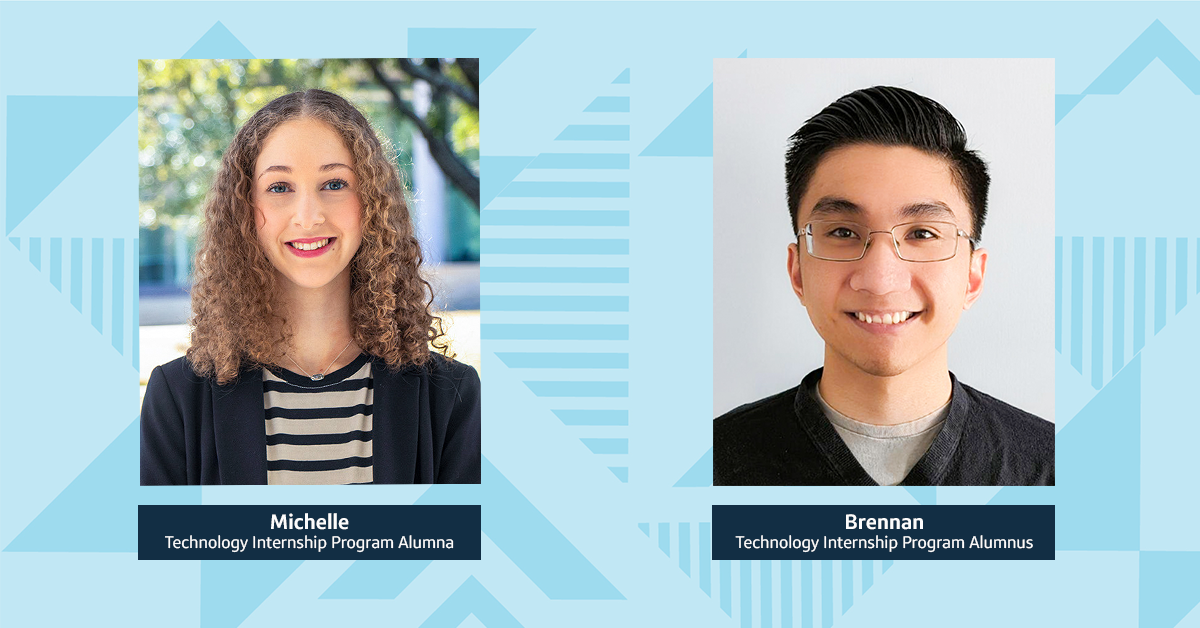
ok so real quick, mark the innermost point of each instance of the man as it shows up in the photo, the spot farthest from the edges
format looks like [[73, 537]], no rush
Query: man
[[888, 205]]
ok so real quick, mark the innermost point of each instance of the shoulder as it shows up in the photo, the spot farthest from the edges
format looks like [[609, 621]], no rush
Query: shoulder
[[752, 443], [176, 376], [759, 416], [1022, 442], [445, 376]]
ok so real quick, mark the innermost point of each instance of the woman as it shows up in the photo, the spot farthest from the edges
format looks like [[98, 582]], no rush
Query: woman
[[310, 359]]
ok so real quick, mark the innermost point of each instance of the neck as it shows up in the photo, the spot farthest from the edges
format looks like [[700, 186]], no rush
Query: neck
[[319, 319], [886, 400]]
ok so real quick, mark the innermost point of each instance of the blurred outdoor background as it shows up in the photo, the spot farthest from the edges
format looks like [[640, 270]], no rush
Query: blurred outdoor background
[[189, 110]]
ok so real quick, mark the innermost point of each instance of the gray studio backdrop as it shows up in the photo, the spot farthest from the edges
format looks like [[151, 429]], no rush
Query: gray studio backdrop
[[763, 342]]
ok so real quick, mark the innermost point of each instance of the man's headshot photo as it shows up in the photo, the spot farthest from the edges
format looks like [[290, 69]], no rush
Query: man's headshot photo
[[887, 194]]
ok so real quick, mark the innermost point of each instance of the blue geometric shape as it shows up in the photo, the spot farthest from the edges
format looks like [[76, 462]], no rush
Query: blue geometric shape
[[608, 104], [535, 546], [700, 474], [847, 585], [490, 45], [1154, 42], [217, 43], [16, 242], [1063, 104], [471, 599], [622, 473], [566, 189], [375, 579], [622, 78], [98, 284], [48, 137], [593, 417], [595, 133], [685, 548], [580, 161], [579, 389], [231, 589], [555, 246], [105, 495], [517, 303], [764, 592], [1168, 587], [77, 273], [607, 445], [549, 274], [565, 360], [555, 217], [690, 134], [664, 538], [744, 53], [496, 173], [554, 332], [645, 528], [1098, 484], [35, 252], [926, 495], [117, 322]]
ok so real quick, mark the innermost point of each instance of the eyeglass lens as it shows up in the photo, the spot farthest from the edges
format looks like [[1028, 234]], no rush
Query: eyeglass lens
[[917, 242]]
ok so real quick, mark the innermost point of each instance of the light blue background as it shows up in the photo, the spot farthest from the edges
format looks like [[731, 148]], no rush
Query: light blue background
[[573, 534]]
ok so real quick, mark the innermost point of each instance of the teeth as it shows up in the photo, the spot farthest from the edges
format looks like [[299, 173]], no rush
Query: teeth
[[310, 246], [890, 318]]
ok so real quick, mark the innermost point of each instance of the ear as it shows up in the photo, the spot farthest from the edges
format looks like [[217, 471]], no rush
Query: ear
[[793, 262], [975, 277]]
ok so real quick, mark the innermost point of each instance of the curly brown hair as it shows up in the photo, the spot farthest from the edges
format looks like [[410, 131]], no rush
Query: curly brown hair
[[236, 321]]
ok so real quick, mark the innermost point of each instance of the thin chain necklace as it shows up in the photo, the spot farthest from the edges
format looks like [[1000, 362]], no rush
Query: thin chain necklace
[[320, 376]]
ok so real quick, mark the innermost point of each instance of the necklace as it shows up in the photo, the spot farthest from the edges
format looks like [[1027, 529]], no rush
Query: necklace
[[320, 376]]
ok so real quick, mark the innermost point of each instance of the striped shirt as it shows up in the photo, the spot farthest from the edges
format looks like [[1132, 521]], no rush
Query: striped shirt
[[319, 432]]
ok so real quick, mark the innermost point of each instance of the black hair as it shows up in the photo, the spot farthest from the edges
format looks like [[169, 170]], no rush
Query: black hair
[[887, 116]]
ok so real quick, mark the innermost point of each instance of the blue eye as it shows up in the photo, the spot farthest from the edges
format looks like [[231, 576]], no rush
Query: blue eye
[[277, 188], [336, 184]]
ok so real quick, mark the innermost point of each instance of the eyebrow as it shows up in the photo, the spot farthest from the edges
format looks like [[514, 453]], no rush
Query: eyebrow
[[836, 206], [325, 168]]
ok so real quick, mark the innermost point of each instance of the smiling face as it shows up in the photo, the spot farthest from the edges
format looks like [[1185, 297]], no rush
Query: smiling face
[[882, 315], [308, 213]]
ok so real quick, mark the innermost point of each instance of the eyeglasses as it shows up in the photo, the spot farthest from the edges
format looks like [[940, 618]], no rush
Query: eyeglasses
[[841, 241]]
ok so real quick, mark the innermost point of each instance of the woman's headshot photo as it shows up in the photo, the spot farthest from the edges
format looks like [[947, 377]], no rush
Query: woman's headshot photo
[[320, 342]]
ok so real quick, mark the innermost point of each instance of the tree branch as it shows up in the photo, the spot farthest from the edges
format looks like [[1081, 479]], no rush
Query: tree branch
[[455, 170], [441, 81]]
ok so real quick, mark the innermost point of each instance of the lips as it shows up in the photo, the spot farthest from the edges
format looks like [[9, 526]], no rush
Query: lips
[[310, 247], [893, 318]]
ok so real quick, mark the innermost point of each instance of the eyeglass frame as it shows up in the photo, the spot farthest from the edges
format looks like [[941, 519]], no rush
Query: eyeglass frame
[[807, 234]]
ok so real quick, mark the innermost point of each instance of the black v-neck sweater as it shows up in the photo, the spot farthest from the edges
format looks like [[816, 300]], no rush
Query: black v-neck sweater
[[786, 440]]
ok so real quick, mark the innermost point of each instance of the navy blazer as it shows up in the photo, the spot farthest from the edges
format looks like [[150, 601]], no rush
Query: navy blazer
[[426, 426]]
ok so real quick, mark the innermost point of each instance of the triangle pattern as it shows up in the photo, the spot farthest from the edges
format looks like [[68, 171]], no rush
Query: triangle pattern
[[1168, 587], [622, 78], [1098, 456], [925, 495], [231, 589], [1063, 104], [105, 494], [218, 43], [701, 473], [84, 203], [48, 137], [744, 53], [690, 134], [491, 45], [1154, 42], [472, 598], [497, 173], [375, 579]]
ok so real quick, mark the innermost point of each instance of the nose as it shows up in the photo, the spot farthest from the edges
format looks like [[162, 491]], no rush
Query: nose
[[881, 271], [309, 210]]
